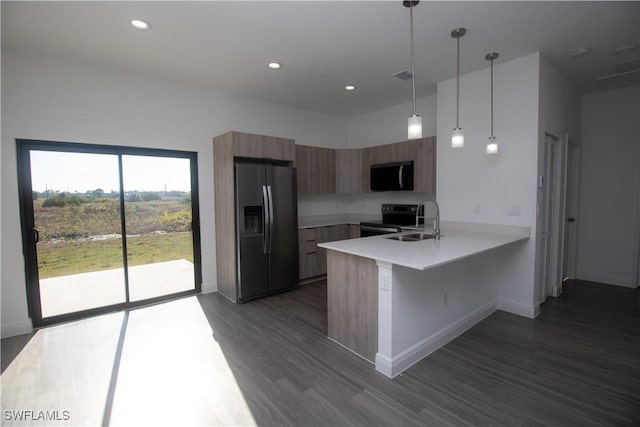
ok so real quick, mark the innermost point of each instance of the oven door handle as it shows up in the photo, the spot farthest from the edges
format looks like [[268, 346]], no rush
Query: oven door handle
[[380, 229]]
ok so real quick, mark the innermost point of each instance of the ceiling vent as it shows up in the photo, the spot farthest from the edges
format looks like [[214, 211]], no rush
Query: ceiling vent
[[627, 74], [403, 75]]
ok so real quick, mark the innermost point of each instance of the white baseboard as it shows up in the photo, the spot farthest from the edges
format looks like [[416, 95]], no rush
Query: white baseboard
[[422, 349], [513, 307], [18, 328], [208, 288]]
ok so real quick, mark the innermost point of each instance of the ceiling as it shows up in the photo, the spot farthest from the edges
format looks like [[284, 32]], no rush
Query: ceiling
[[324, 45]]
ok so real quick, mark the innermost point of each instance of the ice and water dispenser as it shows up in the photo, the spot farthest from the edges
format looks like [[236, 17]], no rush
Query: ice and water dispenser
[[253, 220]]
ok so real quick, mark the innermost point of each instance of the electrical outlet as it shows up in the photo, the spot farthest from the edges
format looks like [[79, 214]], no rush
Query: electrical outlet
[[385, 282], [444, 299], [476, 209], [514, 211]]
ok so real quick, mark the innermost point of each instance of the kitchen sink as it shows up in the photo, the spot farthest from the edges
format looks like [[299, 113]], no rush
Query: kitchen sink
[[413, 237]]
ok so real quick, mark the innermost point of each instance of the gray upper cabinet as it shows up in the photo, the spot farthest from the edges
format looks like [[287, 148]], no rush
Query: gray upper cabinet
[[316, 168], [421, 151], [349, 171]]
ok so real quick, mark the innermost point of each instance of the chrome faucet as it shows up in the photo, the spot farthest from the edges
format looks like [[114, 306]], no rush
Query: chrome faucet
[[436, 223]]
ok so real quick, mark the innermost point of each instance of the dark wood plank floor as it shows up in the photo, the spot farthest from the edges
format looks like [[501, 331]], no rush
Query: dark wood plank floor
[[269, 362]]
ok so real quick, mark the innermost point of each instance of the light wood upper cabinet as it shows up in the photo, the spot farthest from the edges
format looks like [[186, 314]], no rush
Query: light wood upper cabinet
[[261, 146], [421, 151], [349, 171], [316, 168]]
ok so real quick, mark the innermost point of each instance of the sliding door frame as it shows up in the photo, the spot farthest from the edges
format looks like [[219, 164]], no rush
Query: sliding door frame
[[30, 238]]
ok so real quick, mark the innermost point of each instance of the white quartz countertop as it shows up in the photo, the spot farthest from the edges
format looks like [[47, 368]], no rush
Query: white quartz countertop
[[459, 240], [336, 219]]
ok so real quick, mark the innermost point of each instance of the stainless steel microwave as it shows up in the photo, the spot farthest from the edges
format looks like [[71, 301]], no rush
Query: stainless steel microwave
[[392, 176]]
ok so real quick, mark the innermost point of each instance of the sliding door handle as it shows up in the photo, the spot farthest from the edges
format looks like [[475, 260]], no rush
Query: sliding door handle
[[36, 235]]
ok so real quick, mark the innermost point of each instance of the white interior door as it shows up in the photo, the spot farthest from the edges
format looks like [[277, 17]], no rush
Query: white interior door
[[549, 217], [571, 213]]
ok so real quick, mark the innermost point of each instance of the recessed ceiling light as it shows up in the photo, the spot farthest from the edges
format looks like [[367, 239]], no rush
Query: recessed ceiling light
[[623, 50], [580, 52], [274, 65], [350, 87], [139, 24]]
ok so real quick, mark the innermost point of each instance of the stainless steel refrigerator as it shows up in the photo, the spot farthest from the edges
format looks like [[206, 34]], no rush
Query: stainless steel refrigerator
[[266, 228]]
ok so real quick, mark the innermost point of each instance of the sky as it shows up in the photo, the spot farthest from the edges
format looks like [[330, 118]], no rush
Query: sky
[[81, 172]]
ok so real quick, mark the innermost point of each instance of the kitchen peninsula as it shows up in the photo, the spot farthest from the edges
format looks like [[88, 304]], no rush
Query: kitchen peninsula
[[393, 302]]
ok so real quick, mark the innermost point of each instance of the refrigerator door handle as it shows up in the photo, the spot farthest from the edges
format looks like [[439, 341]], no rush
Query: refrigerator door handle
[[270, 195], [265, 218]]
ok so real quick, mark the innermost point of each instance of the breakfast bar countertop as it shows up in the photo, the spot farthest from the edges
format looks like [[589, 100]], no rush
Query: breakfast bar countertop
[[459, 240]]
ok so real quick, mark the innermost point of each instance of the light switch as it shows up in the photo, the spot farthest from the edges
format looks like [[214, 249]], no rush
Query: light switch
[[514, 211]]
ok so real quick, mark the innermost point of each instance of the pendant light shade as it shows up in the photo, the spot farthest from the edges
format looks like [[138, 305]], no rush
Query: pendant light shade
[[492, 145], [457, 137], [414, 127], [492, 142]]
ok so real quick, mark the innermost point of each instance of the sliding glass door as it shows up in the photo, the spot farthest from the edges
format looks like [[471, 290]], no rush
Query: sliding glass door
[[106, 228], [157, 207], [79, 245]]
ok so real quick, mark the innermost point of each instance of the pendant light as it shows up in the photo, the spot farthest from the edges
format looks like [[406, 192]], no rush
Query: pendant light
[[457, 137], [492, 142], [414, 129]]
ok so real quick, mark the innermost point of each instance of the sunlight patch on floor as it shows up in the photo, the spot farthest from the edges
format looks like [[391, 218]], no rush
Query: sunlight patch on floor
[[171, 371], [64, 368]]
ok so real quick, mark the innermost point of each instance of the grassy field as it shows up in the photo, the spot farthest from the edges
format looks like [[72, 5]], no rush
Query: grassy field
[[102, 216], [72, 257], [157, 231]]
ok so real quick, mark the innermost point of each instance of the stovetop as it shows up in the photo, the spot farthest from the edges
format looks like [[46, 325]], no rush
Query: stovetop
[[396, 215]]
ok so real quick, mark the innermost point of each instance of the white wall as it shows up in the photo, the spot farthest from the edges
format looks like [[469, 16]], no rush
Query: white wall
[[56, 100], [608, 214], [390, 124], [475, 187]]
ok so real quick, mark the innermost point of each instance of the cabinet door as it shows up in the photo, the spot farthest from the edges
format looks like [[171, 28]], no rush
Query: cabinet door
[[338, 232], [316, 170], [308, 253], [349, 171], [425, 165], [262, 147]]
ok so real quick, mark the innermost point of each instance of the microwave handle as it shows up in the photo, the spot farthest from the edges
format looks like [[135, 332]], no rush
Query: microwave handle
[[400, 176]]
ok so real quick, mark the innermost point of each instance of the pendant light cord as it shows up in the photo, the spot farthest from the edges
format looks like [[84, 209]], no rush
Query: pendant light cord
[[458, 88], [492, 98], [413, 74]]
